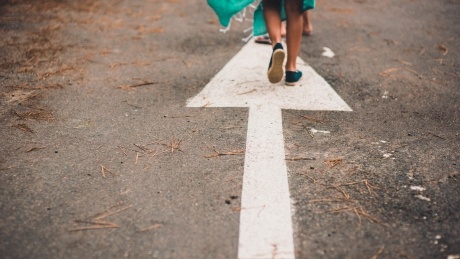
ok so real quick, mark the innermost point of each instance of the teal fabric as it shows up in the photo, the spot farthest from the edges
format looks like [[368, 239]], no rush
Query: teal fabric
[[259, 22], [226, 9]]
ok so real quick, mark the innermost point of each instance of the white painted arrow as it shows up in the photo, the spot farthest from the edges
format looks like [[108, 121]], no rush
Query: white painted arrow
[[265, 220]]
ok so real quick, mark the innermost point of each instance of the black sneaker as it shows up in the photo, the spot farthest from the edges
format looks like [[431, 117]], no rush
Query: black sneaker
[[292, 77], [275, 68]]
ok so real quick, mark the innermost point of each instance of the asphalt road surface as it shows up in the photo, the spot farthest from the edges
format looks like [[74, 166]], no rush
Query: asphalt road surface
[[100, 157]]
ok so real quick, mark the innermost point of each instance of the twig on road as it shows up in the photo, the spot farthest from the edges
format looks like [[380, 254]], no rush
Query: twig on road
[[130, 87], [311, 178], [347, 196], [431, 133], [121, 148], [443, 48], [378, 252], [217, 154], [34, 149], [358, 211], [299, 158], [334, 162], [308, 130], [153, 227], [98, 221], [174, 144], [23, 127], [312, 119], [365, 182], [331, 200], [104, 169]]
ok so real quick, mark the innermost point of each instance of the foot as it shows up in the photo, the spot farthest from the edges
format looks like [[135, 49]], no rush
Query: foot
[[307, 33], [263, 40], [307, 30], [292, 77], [276, 68], [307, 27]]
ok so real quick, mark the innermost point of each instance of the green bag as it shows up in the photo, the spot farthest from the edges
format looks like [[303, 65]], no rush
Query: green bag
[[226, 9]]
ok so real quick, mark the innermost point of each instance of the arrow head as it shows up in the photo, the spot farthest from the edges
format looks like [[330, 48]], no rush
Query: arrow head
[[243, 83]]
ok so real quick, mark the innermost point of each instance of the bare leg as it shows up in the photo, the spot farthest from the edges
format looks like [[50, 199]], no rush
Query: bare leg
[[272, 18], [272, 15], [294, 25], [283, 29], [307, 27]]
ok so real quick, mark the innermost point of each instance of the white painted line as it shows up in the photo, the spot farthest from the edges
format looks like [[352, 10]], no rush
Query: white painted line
[[265, 218], [265, 221]]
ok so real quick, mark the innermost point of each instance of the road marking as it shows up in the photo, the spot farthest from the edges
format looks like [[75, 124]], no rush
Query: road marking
[[328, 52], [265, 220]]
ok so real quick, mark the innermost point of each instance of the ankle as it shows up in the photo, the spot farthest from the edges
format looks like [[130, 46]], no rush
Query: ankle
[[290, 65], [276, 44]]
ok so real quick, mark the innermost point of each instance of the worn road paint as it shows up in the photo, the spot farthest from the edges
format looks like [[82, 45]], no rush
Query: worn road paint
[[265, 219], [312, 130], [328, 52]]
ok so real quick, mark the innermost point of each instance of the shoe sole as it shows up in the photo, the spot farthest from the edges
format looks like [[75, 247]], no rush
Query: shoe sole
[[291, 83], [276, 72]]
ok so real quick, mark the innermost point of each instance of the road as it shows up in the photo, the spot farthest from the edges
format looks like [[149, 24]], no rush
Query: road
[[100, 156]]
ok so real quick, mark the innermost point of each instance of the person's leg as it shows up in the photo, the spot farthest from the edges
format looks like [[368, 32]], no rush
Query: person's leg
[[272, 15], [283, 29], [307, 26], [294, 25]]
